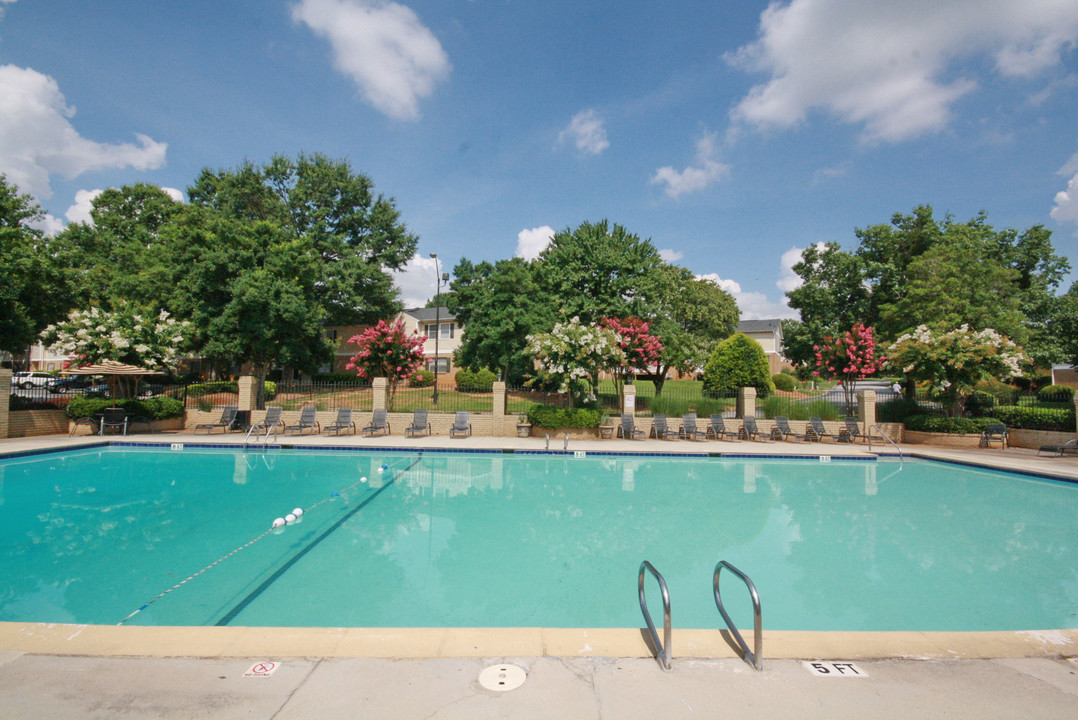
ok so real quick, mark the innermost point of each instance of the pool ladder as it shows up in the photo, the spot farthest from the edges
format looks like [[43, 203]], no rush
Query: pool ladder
[[886, 437], [754, 657], [265, 440]]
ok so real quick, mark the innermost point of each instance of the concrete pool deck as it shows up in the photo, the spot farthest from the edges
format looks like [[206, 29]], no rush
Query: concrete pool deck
[[49, 670]]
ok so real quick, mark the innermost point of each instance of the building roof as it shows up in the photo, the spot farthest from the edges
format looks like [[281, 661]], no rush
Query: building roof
[[431, 314], [759, 326]]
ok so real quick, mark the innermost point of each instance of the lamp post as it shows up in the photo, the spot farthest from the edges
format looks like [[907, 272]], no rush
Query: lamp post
[[437, 321]]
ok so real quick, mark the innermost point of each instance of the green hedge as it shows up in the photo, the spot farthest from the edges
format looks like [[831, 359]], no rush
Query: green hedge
[[944, 424], [1033, 418], [475, 380], [549, 416], [336, 377], [227, 386], [158, 408]]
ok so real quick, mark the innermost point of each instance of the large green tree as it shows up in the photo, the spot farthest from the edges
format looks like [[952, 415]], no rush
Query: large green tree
[[597, 271], [920, 270], [35, 288], [690, 316], [356, 235], [499, 306]]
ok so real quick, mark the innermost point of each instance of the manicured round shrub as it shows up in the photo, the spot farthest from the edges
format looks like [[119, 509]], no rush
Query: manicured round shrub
[[549, 416], [784, 382], [421, 379], [476, 380], [980, 403], [1055, 393], [737, 362]]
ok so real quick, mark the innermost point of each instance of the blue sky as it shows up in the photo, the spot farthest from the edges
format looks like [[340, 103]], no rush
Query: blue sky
[[730, 133]]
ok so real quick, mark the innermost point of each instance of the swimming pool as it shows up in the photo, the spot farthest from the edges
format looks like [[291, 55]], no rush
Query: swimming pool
[[494, 540]]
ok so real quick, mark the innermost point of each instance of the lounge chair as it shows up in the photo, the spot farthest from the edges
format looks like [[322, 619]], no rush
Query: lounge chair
[[995, 432], [461, 425], [378, 424], [271, 419], [307, 419], [782, 430], [228, 419], [343, 422], [717, 429], [816, 430], [749, 431], [1071, 446], [660, 429], [420, 425], [689, 430], [851, 432], [114, 418], [628, 430]]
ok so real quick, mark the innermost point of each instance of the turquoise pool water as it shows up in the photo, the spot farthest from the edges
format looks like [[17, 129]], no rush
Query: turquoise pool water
[[529, 540]]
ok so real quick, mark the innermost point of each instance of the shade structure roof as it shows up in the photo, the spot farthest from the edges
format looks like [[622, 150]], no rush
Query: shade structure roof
[[108, 367]]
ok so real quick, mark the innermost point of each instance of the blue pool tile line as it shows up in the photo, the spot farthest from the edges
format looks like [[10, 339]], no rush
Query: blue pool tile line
[[46, 451], [1027, 473]]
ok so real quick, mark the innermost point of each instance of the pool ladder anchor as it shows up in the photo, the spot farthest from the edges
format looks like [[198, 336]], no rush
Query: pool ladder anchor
[[663, 652], [265, 440]]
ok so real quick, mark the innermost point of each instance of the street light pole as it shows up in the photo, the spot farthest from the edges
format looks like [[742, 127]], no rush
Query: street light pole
[[437, 321]]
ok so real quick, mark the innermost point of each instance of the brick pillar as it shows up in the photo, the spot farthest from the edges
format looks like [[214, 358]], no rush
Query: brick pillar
[[498, 425], [628, 400], [380, 386], [247, 392], [5, 383], [866, 409], [746, 402]]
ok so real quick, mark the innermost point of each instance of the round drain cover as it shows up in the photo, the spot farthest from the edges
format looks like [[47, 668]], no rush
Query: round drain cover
[[502, 677]]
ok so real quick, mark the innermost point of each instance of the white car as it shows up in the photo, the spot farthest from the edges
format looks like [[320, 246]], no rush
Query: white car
[[27, 380]]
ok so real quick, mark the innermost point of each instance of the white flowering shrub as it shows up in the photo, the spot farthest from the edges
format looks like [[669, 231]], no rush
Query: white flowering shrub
[[953, 362], [127, 336], [572, 354]]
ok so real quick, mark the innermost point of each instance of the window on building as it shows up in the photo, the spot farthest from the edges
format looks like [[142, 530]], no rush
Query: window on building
[[448, 329], [443, 365]]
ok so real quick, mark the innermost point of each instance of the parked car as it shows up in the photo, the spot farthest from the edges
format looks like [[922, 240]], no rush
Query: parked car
[[68, 384], [29, 379], [101, 390]]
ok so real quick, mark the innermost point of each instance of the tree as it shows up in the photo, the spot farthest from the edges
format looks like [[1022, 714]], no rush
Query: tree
[[849, 357], [640, 348], [356, 235], [387, 351], [598, 271], [35, 289], [499, 306], [130, 335], [572, 354], [955, 360], [115, 252], [1064, 325], [738, 361], [690, 316]]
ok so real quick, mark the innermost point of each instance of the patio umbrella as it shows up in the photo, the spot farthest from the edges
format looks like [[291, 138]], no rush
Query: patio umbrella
[[117, 374]]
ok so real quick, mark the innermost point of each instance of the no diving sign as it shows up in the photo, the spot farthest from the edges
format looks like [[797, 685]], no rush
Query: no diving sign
[[262, 669]]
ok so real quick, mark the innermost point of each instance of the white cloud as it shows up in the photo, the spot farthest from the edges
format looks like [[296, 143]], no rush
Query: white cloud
[[696, 177], [587, 132], [416, 281], [37, 138], [390, 55], [892, 67], [532, 242], [671, 256], [1066, 201], [48, 224], [753, 305], [84, 203], [788, 279]]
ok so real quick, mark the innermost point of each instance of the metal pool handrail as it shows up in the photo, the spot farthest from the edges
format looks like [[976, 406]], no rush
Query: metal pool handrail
[[887, 438], [662, 653], [756, 657]]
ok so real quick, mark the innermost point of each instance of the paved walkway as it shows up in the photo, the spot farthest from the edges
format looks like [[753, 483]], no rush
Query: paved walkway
[[188, 677]]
